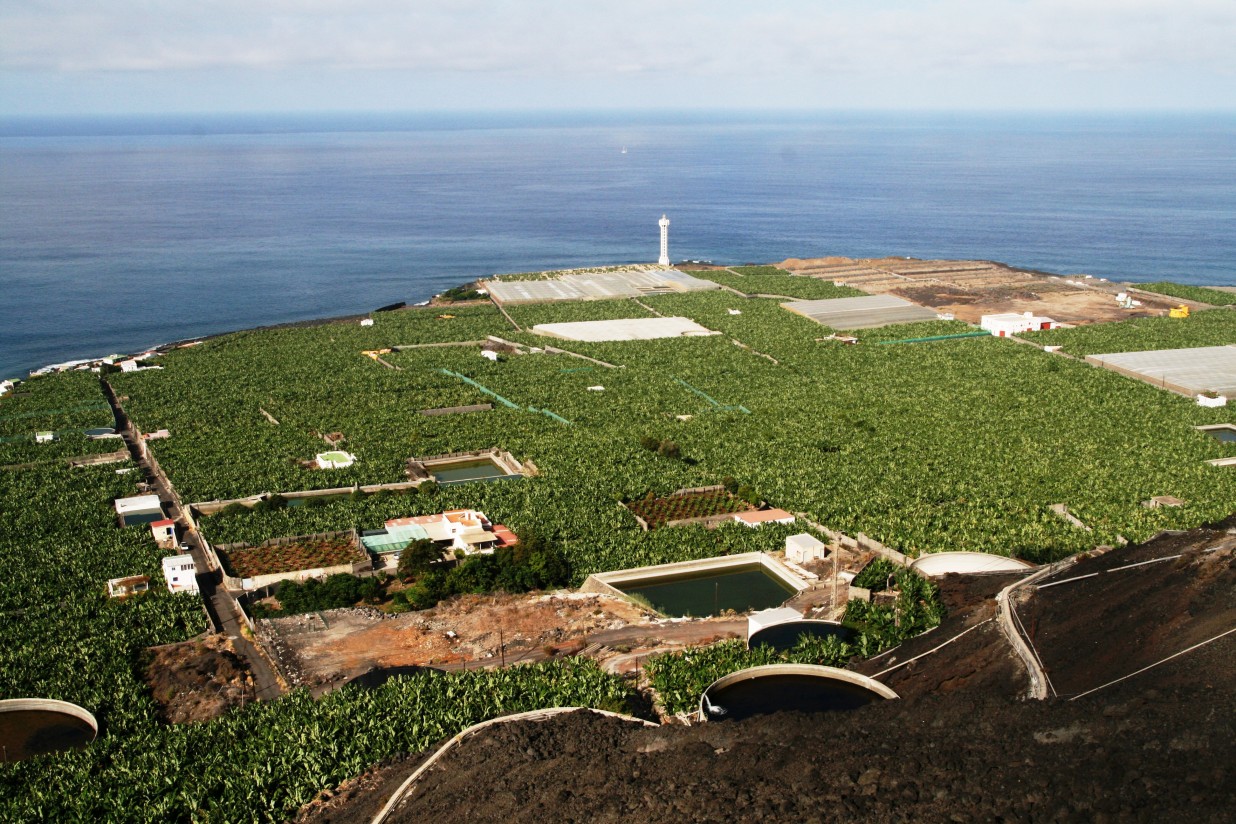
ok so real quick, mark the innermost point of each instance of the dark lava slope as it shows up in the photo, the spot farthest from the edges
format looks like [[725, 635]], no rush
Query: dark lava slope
[[961, 745]]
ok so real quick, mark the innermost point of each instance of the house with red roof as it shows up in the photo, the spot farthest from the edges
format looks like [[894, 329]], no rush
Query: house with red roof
[[466, 530], [164, 531], [759, 517]]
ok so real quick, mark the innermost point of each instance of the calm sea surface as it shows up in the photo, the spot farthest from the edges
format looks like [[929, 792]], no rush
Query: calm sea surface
[[120, 234]]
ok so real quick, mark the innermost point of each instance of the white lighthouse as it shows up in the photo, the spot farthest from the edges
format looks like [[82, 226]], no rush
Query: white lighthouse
[[664, 224]]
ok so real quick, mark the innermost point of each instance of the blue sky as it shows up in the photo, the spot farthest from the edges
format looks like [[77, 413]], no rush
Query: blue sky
[[150, 56]]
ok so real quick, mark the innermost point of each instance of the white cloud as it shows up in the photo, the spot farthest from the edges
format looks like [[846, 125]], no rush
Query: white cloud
[[559, 36], [795, 44]]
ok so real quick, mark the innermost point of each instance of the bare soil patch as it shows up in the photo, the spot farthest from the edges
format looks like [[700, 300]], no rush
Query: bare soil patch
[[972, 288], [326, 648], [198, 680]]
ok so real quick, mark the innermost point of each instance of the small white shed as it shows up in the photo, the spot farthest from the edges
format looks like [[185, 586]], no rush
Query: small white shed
[[766, 618], [164, 531], [802, 548]]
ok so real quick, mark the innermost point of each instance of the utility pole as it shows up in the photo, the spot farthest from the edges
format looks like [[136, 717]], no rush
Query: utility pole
[[836, 580]]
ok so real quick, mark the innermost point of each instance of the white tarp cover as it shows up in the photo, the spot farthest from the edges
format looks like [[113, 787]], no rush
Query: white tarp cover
[[768, 617], [629, 283], [624, 329], [942, 563], [861, 312], [1201, 369]]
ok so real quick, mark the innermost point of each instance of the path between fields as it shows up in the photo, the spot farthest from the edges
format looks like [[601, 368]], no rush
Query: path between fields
[[221, 608]]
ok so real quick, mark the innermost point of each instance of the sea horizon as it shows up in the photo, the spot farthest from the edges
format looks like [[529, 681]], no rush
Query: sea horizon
[[122, 232]]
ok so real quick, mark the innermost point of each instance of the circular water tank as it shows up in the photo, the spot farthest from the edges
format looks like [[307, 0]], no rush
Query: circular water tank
[[377, 676], [965, 563], [796, 687], [38, 726], [785, 635]]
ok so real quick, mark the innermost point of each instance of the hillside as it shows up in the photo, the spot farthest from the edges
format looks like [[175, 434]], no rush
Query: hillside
[[961, 745]]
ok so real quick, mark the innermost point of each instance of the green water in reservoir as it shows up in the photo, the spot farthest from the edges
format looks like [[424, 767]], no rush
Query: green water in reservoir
[[472, 470], [711, 592], [788, 692], [143, 518]]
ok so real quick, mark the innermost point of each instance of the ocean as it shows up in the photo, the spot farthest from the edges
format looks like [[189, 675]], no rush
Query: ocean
[[121, 233]]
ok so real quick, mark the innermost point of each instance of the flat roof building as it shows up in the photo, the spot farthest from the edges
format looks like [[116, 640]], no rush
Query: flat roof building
[[127, 586], [180, 573], [1013, 323], [759, 517], [140, 509], [802, 548]]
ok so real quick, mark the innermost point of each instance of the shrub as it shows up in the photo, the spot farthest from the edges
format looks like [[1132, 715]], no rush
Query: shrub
[[669, 449], [342, 590], [876, 574]]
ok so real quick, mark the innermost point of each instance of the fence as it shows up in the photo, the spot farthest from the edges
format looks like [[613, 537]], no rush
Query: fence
[[458, 410], [232, 582], [105, 458]]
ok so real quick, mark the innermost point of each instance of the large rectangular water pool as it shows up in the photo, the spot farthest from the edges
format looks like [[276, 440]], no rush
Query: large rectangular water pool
[[711, 592], [474, 469]]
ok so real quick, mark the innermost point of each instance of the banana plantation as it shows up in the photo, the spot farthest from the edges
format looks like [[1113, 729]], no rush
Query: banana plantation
[[945, 445], [959, 444]]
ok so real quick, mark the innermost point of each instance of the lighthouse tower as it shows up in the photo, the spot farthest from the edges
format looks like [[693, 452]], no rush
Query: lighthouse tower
[[664, 224]]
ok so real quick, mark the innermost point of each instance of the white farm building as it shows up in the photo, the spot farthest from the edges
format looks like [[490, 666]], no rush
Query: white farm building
[[1012, 323], [140, 509], [180, 573], [803, 548]]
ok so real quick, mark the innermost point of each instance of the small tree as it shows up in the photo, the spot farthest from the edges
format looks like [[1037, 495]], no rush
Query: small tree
[[417, 558]]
